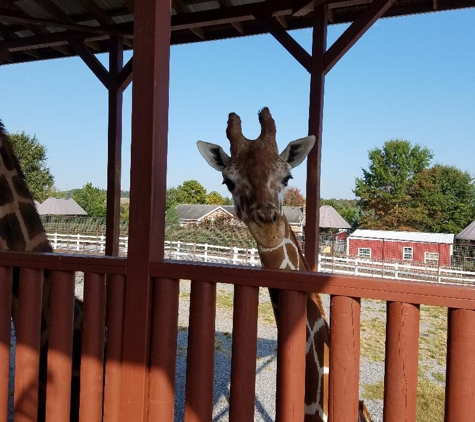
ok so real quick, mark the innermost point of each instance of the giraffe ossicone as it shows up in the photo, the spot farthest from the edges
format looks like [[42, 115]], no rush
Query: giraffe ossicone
[[257, 175]]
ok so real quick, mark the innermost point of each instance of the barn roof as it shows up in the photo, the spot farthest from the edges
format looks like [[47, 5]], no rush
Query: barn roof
[[60, 206], [331, 219], [195, 212], [468, 233], [33, 30], [403, 236]]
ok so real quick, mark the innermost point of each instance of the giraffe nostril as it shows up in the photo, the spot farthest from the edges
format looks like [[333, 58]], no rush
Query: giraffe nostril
[[275, 216]]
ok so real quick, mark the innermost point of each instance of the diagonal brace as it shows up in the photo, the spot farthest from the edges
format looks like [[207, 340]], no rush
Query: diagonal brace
[[289, 43], [126, 75], [92, 62], [354, 32]]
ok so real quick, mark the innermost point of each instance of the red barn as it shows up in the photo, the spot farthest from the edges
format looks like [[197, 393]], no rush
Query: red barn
[[430, 248]]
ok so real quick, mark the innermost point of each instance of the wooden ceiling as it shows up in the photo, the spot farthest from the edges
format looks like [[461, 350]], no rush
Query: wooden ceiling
[[45, 29]]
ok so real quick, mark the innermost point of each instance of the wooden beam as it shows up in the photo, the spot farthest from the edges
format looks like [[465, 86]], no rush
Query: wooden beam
[[354, 32], [9, 17], [54, 11], [97, 12], [92, 62], [315, 127], [3, 56], [181, 7], [130, 4], [236, 25], [114, 151], [304, 7], [126, 75], [281, 35]]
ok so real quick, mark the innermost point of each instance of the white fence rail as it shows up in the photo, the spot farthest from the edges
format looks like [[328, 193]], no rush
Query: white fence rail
[[203, 252]]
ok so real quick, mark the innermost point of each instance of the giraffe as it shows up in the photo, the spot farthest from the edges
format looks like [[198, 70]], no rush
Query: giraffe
[[256, 175], [21, 230]]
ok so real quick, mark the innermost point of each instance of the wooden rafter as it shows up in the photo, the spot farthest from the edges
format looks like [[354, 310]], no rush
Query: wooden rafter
[[130, 4], [304, 7], [97, 12], [91, 60], [236, 25], [54, 11], [354, 32], [292, 46], [181, 7], [3, 56]]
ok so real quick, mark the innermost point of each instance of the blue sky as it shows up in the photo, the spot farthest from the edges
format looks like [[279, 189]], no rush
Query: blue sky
[[409, 78]]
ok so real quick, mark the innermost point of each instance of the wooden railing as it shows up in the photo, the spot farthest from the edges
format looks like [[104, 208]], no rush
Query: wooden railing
[[106, 277]]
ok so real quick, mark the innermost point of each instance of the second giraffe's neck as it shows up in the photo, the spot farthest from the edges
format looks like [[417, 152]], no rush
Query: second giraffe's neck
[[20, 225]]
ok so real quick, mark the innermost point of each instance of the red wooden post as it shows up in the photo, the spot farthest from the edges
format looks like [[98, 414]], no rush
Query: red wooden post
[[147, 196], [402, 347], [164, 344], [5, 333], [27, 330], [114, 160], [243, 363], [60, 345], [200, 356], [115, 326], [315, 125], [460, 392], [290, 402], [92, 356], [344, 359]]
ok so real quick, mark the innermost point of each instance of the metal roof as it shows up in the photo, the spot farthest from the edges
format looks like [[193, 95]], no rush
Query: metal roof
[[403, 236], [44, 29], [331, 219], [468, 233], [60, 206]]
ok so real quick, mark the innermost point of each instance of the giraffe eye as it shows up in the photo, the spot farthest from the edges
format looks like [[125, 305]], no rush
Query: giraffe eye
[[229, 184], [286, 179]]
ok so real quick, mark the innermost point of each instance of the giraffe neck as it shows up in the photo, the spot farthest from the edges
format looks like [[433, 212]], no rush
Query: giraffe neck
[[289, 256], [20, 225]]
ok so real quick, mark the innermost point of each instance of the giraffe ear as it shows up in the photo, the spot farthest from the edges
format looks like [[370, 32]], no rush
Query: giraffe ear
[[297, 150], [214, 155]]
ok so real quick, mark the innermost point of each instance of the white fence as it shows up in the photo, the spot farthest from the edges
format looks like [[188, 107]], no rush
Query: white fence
[[203, 252]]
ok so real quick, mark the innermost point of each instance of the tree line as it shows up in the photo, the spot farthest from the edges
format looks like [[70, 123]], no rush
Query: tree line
[[399, 190]]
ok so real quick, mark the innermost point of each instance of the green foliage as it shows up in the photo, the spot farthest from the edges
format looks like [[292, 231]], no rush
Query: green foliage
[[191, 192], [91, 199], [293, 197], [214, 198], [448, 196], [32, 157]]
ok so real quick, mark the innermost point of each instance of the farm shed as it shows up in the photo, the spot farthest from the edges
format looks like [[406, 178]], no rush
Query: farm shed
[[428, 248], [60, 206], [142, 290]]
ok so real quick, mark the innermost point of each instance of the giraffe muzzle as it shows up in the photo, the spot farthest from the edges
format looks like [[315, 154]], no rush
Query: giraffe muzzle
[[262, 217]]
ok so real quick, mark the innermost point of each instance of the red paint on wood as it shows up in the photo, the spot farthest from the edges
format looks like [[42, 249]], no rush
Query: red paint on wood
[[115, 326], [200, 356], [290, 401], [60, 346], [402, 346], [164, 349], [243, 363], [5, 332], [344, 359], [460, 392], [27, 361], [315, 127], [92, 359]]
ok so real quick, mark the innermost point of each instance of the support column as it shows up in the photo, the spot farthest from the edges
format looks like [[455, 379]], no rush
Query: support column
[[147, 195], [315, 124], [114, 160]]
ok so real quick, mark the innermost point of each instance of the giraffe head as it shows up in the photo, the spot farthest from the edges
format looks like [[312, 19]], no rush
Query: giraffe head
[[256, 175]]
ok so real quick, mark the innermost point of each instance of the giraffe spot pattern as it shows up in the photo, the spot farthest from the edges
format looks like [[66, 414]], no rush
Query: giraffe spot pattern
[[11, 233], [20, 187], [28, 213], [7, 158], [6, 194]]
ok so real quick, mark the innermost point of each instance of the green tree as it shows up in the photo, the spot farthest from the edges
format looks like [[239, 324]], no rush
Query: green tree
[[32, 158], [91, 199], [191, 192], [383, 193], [448, 196], [293, 197], [214, 198]]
